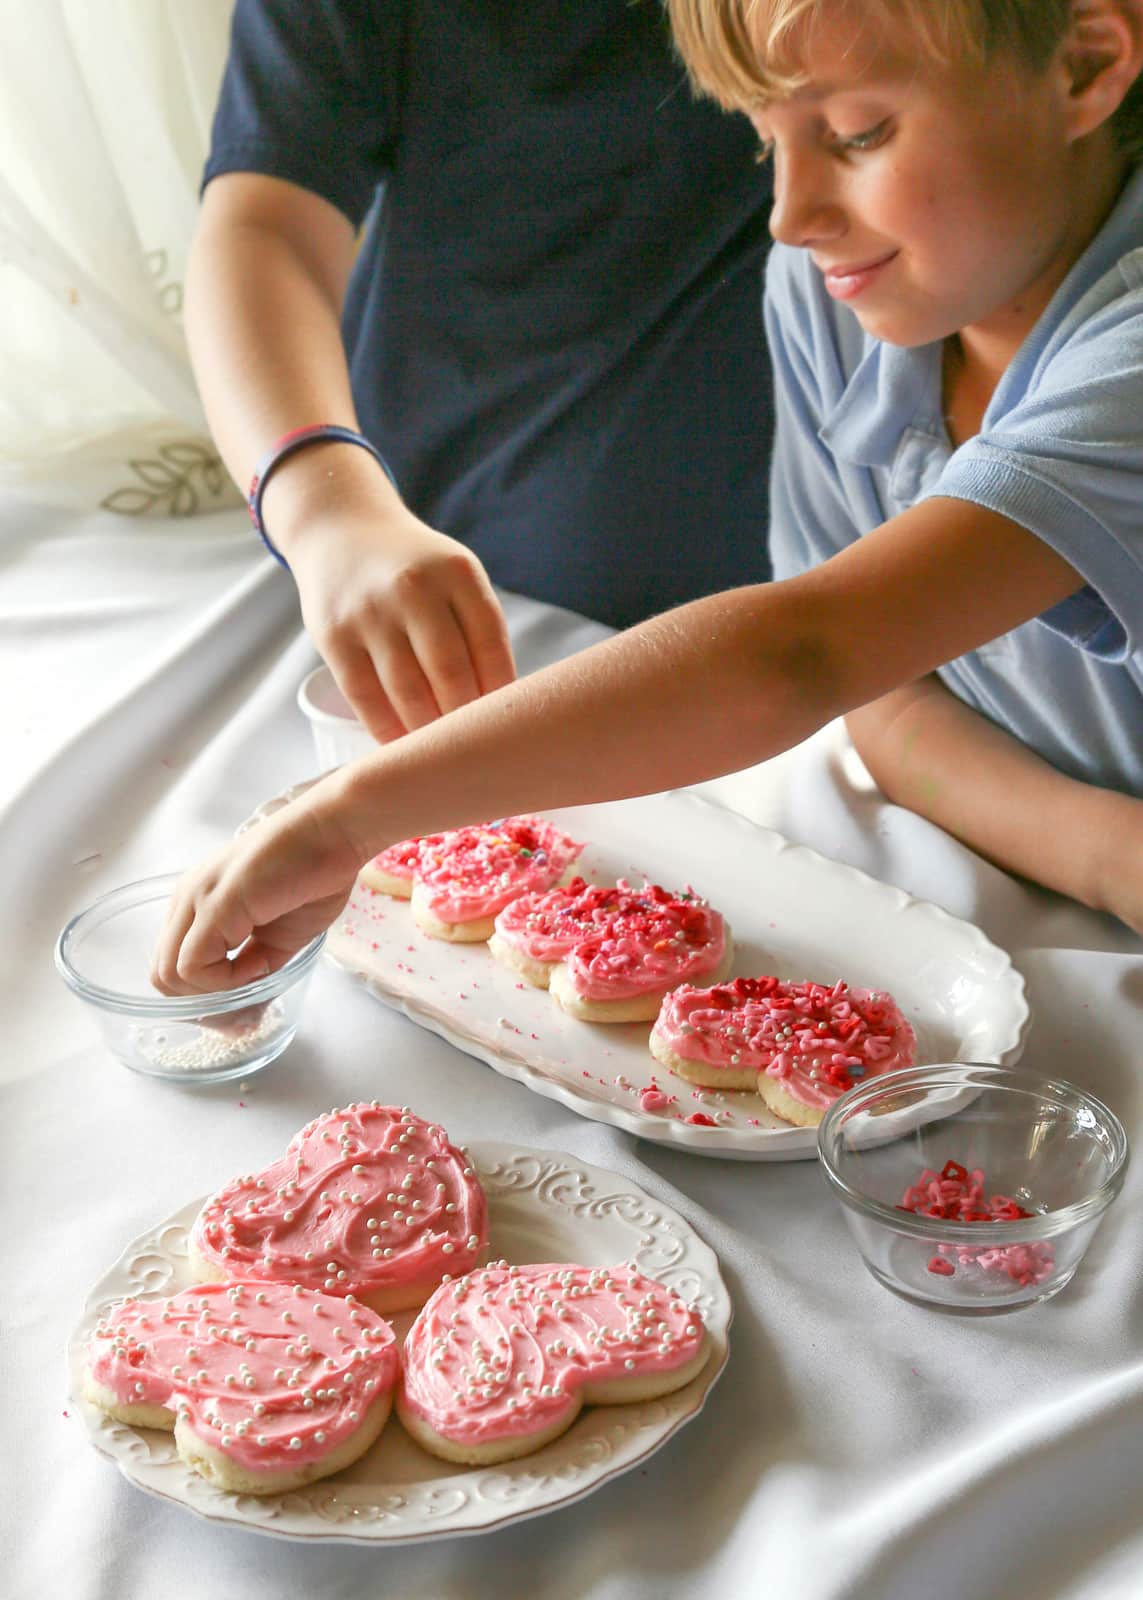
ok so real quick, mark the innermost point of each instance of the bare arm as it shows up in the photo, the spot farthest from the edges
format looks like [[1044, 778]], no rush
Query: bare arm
[[706, 689], [930, 752], [405, 616]]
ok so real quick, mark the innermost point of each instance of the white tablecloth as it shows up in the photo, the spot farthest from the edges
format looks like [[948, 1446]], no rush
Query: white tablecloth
[[856, 1448]]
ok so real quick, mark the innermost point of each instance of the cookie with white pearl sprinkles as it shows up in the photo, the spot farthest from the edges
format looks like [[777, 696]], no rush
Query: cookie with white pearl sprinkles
[[266, 1386], [370, 1201], [500, 1362], [616, 952], [800, 1045]]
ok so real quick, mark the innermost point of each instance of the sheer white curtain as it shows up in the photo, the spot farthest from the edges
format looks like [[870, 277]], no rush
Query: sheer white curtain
[[105, 110]]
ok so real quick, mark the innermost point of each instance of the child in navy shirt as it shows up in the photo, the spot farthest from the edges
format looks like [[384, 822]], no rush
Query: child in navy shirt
[[544, 256]]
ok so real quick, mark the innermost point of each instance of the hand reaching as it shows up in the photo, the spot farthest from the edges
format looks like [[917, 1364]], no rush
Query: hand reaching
[[405, 618], [263, 897]]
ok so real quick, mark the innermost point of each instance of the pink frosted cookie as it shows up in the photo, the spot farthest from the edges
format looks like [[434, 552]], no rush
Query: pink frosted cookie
[[535, 932], [266, 1386], [369, 1201], [391, 872], [499, 1363], [623, 948], [460, 884], [802, 1045]]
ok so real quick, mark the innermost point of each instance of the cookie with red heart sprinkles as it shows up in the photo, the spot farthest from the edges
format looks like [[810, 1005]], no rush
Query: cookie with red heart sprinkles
[[801, 1045], [391, 872], [535, 932], [613, 954], [458, 881]]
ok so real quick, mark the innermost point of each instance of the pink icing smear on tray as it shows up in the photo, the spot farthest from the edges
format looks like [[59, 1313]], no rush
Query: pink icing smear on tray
[[273, 1375]]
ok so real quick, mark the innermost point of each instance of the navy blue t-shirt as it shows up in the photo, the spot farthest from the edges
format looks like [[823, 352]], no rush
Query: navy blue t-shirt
[[554, 325]]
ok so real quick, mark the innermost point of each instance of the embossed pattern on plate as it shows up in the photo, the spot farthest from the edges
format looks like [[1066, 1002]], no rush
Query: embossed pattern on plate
[[543, 1206]]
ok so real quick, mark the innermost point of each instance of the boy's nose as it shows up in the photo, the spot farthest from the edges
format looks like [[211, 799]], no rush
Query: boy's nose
[[805, 210]]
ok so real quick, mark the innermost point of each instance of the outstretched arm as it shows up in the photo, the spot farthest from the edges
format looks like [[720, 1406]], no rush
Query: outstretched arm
[[405, 616], [709, 688], [930, 752]]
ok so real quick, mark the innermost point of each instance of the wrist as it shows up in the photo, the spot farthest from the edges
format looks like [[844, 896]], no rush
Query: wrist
[[325, 480], [352, 803]]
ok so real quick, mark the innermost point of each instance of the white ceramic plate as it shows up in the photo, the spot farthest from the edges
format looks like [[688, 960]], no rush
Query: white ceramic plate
[[543, 1206], [793, 912]]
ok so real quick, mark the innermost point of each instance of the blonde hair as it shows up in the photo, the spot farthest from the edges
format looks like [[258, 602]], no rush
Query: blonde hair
[[745, 52]]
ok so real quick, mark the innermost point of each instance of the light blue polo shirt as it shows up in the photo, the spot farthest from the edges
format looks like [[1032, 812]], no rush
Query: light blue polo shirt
[[860, 438]]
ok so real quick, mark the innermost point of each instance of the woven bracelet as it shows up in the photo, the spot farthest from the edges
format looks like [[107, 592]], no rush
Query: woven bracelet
[[285, 446]]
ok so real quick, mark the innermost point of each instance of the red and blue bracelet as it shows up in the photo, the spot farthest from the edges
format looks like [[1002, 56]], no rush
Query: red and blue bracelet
[[285, 446]]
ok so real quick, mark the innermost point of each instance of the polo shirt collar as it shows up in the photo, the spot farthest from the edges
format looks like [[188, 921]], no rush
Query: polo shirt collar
[[891, 388]]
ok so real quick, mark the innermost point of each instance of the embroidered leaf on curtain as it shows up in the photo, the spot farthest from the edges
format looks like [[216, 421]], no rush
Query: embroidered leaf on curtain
[[105, 109]]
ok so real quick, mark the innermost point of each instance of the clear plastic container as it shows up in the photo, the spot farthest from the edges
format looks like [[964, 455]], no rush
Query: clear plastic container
[[104, 956], [1055, 1150]]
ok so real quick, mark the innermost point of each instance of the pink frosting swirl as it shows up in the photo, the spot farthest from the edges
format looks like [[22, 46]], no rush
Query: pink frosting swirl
[[818, 1040], [272, 1375], [505, 1350], [363, 1201], [472, 873]]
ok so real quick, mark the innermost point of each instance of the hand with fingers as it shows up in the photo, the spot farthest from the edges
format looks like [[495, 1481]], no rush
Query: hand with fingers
[[259, 900], [405, 617]]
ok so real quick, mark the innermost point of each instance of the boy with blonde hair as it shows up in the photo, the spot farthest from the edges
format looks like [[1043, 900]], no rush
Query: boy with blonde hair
[[955, 310]]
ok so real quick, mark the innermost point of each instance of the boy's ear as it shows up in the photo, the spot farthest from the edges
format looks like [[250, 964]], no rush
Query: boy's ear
[[1102, 55]]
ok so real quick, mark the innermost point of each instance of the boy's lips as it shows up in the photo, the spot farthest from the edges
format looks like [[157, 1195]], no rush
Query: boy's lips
[[844, 280]]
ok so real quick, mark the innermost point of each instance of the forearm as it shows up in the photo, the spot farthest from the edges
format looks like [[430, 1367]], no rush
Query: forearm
[[930, 752], [706, 689], [263, 319]]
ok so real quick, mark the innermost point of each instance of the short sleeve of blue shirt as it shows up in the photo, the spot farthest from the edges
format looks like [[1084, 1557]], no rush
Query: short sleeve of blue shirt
[[1064, 457]]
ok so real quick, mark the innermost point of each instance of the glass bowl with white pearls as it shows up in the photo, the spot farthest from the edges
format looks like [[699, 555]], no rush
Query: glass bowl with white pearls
[[104, 956]]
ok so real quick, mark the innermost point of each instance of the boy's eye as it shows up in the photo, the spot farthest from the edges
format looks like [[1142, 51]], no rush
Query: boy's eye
[[868, 139]]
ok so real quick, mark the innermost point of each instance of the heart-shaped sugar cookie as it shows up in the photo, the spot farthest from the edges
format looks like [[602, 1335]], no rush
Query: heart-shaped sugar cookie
[[611, 954], [801, 1045], [461, 879], [499, 1362], [266, 1386], [535, 932], [370, 1201], [392, 871]]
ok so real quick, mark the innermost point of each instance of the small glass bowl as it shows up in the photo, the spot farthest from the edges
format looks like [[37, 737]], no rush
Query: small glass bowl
[[1052, 1148], [104, 956]]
